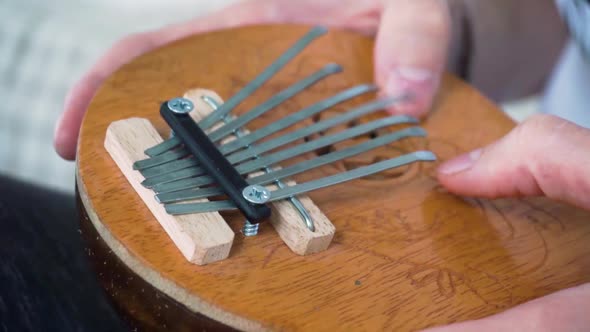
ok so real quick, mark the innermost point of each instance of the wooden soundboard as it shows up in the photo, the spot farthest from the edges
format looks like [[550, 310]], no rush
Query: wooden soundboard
[[405, 255]]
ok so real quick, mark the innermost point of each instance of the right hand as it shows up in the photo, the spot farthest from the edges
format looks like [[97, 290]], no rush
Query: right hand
[[412, 37], [543, 156]]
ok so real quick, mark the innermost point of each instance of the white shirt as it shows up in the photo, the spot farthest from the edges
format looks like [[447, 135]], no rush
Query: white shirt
[[568, 93]]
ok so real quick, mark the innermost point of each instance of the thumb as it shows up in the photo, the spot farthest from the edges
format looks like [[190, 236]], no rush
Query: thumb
[[543, 156], [411, 51]]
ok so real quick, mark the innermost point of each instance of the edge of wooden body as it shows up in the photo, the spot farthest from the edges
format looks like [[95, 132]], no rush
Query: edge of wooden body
[[202, 238], [153, 277], [285, 218]]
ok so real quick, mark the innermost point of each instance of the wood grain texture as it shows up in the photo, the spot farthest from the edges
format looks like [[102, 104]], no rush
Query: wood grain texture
[[284, 218], [202, 238], [407, 254]]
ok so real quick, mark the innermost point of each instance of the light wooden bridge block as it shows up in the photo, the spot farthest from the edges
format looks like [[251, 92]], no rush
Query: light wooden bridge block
[[202, 238]]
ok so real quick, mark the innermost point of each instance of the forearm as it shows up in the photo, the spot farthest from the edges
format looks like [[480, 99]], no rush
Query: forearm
[[506, 48]]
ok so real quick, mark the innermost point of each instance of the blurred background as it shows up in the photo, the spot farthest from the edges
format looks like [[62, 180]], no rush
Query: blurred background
[[47, 45]]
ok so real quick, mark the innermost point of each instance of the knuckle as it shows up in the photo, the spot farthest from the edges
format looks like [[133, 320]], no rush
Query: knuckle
[[533, 139], [538, 125]]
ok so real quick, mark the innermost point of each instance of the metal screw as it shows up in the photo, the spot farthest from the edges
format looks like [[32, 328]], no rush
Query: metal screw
[[180, 105], [256, 194], [250, 229]]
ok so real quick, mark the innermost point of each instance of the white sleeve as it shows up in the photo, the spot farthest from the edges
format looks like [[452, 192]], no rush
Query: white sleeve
[[577, 15], [506, 48]]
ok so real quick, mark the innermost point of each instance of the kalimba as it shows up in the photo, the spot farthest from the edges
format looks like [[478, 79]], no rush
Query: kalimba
[[360, 236], [192, 166]]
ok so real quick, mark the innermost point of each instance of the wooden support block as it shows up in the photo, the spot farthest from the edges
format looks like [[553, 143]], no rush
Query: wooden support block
[[285, 218], [202, 238]]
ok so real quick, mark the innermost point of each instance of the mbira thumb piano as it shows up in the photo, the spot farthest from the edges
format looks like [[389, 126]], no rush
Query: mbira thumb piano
[[254, 179], [214, 154]]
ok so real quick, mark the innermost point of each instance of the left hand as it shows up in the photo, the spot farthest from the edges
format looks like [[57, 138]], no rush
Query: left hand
[[545, 156], [412, 38]]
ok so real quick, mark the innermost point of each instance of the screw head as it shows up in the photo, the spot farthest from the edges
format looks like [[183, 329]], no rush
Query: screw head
[[180, 105], [256, 194]]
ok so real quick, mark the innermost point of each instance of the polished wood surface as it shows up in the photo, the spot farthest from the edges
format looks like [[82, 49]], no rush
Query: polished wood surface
[[406, 254]]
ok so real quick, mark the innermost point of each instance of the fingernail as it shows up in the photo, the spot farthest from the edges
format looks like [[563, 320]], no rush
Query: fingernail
[[417, 82], [461, 163]]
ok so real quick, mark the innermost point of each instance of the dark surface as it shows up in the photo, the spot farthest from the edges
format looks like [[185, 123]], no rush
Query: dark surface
[[143, 307], [46, 283]]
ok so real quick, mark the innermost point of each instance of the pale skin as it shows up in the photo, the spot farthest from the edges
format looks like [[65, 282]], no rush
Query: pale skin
[[412, 44]]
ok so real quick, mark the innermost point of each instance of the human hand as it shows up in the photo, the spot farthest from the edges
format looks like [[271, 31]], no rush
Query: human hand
[[412, 39], [544, 156]]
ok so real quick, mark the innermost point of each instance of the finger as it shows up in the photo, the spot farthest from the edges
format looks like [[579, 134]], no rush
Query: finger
[[411, 50], [543, 156], [565, 310], [79, 96]]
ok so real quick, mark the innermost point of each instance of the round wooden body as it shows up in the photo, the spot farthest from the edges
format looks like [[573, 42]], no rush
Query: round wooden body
[[406, 254]]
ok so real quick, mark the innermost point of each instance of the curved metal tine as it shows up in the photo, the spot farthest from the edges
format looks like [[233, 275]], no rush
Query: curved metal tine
[[309, 223], [279, 156], [288, 121], [296, 117], [274, 101], [185, 208], [300, 167], [246, 91]]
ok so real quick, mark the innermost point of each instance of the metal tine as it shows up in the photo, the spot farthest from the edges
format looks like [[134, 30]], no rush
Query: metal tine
[[287, 138], [285, 122], [248, 228], [163, 147], [160, 159], [281, 155], [299, 167], [268, 105], [321, 142], [246, 91], [181, 184], [172, 176], [268, 73], [239, 122], [274, 101], [297, 117], [257, 150], [173, 166], [186, 208]]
